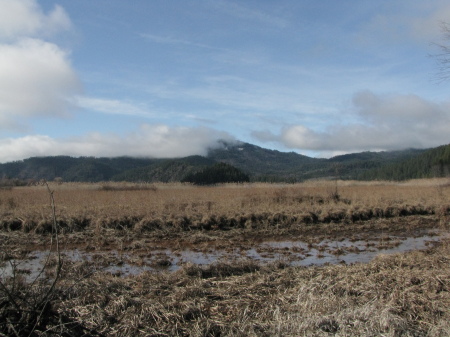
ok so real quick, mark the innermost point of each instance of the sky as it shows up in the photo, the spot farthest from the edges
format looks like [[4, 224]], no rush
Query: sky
[[160, 78]]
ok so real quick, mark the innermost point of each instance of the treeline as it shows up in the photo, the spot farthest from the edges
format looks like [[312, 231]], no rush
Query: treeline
[[432, 163], [217, 174], [82, 169]]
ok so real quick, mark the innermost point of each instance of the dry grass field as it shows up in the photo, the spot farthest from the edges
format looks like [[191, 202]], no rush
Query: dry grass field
[[403, 294]]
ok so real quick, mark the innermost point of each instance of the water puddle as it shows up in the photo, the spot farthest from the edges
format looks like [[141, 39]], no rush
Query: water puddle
[[347, 251], [293, 252]]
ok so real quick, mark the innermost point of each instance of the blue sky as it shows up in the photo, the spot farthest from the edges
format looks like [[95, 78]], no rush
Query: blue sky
[[159, 78]]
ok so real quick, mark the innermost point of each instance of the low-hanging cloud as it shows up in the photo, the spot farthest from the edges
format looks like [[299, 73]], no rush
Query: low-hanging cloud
[[158, 141], [36, 76], [385, 123]]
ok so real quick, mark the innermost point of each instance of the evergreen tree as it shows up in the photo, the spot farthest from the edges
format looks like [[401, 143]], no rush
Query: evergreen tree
[[217, 174]]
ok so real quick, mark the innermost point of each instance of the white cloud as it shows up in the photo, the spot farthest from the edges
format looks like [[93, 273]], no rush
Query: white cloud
[[387, 123], [36, 77], [396, 107], [159, 141], [24, 18], [111, 106]]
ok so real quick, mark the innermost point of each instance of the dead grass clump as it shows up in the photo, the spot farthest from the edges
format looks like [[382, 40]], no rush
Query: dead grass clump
[[444, 210], [180, 223], [221, 269], [75, 224], [310, 218], [119, 224], [11, 224], [28, 225], [334, 216], [44, 227], [148, 224], [162, 262], [278, 218]]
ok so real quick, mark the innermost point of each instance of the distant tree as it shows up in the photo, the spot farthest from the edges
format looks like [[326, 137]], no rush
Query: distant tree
[[217, 174]]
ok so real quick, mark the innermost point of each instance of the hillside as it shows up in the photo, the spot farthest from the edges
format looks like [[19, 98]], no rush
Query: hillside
[[271, 165], [258, 163], [165, 170], [431, 163], [87, 169]]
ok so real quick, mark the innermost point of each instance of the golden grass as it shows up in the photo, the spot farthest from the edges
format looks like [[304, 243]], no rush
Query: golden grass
[[174, 202], [123, 213]]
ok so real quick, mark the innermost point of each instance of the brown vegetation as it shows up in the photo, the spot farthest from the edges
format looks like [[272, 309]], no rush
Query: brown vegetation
[[402, 295], [173, 209], [397, 295]]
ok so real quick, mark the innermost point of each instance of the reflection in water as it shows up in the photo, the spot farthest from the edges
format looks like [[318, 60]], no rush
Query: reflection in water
[[296, 253]]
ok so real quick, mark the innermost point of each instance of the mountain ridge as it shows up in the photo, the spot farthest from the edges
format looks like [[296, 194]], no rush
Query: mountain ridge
[[260, 164]]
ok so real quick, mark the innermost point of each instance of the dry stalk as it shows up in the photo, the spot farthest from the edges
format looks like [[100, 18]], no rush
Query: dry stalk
[[47, 297], [29, 306]]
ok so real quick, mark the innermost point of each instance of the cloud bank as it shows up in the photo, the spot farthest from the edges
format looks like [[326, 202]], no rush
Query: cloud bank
[[158, 141], [384, 123]]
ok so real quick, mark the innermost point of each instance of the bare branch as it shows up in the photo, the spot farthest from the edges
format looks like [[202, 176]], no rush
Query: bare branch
[[443, 57]]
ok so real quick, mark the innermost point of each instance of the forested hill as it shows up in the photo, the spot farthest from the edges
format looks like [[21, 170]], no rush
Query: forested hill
[[258, 163], [432, 163], [271, 165]]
